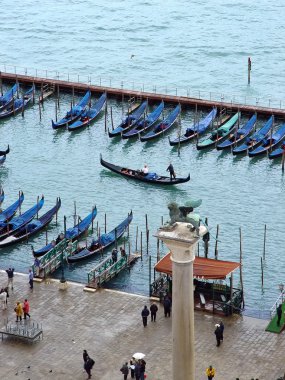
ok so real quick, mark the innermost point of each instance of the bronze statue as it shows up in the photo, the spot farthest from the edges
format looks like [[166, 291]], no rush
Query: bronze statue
[[180, 213]]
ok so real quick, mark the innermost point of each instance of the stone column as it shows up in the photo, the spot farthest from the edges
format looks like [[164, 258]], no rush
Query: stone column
[[181, 239]]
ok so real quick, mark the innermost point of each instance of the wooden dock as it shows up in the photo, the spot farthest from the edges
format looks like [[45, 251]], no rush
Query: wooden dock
[[185, 101]]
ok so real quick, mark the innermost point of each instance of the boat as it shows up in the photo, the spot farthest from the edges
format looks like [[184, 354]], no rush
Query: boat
[[7, 99], [10, 211], [252, 142], [5, 152], [269, 143], [32, 227], [89, 115], [239, 135], [18, 222], [18, 104], [2, 159], [196, 129], [138, 175], [219, 134], [164, 126], [74, 114], [129, 121], [2, 195], [145, 124], [99, 245], [278, 152], [71, 234]]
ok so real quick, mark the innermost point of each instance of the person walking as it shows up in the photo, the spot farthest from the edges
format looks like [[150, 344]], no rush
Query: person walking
[[125, 370], [153, 310], [88, 365], [145, 314], [138, 370], [132, 368], [19, 311], [167, 306], [10, 273], [26, 309], [218, 334], [171, 171], [279, 314], [31, 279], [114, 255], [143, 364], [222, 327], [210, 372]]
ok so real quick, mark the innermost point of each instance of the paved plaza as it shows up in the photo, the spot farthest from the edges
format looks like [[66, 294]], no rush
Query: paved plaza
[[108, 325]]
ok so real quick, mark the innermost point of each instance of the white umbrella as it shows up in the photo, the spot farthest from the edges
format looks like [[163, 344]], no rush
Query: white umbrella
[[138, 355]]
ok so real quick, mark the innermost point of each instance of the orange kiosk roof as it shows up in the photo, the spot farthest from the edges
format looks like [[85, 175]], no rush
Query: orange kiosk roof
[[203, 268]]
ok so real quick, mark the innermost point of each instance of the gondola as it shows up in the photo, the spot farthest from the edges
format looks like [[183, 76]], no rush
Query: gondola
[[145, 124], [164, 126], [196, 129], [239, 135], [269, 143], [7, 99], [74, 114], [5, 152], [100, 244], [252, 142], [2, 159], [18, 104], [71, 234], [18, 222], [137, 175], [89, 115], [32, 227], [2, 195], [219, 134], [277, 152], [10, 211], [129, 121]]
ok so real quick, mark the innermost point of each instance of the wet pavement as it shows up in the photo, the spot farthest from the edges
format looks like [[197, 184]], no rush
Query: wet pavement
[[108, 325]]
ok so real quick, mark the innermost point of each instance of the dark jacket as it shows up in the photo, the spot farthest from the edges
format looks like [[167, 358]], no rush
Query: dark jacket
[[170, 169], [153, 308], [218, 333], [89, 363], [137, 369], [279, 310], [125, 369], [145, 312], [167, 303], [222, 327], [85, 356], [10, 272]]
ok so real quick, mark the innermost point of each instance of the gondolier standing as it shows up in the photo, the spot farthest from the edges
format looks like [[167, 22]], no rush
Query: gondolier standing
[[171, 171]]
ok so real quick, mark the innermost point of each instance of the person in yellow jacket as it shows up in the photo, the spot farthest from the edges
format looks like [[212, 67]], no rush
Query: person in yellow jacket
[[210, 372], [19, 311]]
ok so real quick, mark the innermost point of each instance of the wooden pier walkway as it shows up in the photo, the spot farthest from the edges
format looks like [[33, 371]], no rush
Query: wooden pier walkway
[[185, 101], [107, 269]]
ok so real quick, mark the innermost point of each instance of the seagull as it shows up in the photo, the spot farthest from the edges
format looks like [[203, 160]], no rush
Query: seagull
[[132, 56]]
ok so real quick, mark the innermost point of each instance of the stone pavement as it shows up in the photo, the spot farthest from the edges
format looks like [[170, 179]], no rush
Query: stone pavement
[[108, 325]]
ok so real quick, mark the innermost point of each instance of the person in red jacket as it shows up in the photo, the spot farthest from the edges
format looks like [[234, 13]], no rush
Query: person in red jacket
[[26, 309]]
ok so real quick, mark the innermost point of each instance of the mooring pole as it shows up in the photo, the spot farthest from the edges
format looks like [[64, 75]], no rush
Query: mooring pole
[[112, 122], [261, 264], [157, 251], [19, 203], [147, 241], [241, 264], [75, 215], [248, 70], [137, 236], [58, 95], [264, 242], [149, 276], [55, 110], [141, 245], [146, 224], [64, 225], [106, 109], [23, 106], [206, 242], [162, 220], [40, 111], [216, 245], [105, 223]]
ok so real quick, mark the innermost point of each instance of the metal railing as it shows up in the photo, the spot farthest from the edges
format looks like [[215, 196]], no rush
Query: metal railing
[[276, 303], [90, 79]]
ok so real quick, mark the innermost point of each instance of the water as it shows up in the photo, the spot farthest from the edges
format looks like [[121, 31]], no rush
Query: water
[[189, 46]]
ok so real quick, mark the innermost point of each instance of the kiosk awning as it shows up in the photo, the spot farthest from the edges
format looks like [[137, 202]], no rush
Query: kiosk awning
[[203, 268]]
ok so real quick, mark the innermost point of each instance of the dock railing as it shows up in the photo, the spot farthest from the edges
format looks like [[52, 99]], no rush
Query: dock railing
[[279, 300], [90, 79]]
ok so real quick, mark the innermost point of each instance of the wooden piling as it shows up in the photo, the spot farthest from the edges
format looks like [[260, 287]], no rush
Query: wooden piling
[[58, 96], [264, 242], [40, 110], [34, 93], [216, 244], [149, 273], [162, 220], [106, 109], [146, 224], [179, 134], [147, 241], [41, 97], [206, 242], [74, 215], [64, 225], [23, 106], [55, 110], [105, 224], [112, 122], [283, 160], [157, 251], [20, 203], [261, 264], [137, 236], [241, 264], [141, 245], [248, 70]]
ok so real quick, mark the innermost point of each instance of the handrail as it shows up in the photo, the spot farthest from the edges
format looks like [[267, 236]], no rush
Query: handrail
[[276, 303]]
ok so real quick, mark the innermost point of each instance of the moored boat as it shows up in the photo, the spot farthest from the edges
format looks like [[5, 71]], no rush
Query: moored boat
[[2, 159], [138, 175], [252, 142], [18, 105], [129, 121], [71, 234], [164, 126], [270, 143], [196, 129], [5, 152], [219, 134], [32, 227], [143, 125], [278, 152], [74, 114], [18, 222], [10, 211], [99, 245], [89, 115], [239, 135], [7, 99]]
